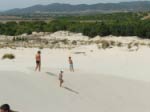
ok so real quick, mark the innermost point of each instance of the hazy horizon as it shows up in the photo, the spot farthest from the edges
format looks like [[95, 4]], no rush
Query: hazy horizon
[[7, 4]]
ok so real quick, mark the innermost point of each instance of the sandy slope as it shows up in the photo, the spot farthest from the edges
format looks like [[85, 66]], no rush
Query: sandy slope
[[112, 80]]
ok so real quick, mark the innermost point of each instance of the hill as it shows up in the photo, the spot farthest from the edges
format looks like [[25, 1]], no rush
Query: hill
[[84, 8]]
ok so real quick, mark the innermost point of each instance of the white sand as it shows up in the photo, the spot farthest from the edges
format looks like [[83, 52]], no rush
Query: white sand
[[112, 80]]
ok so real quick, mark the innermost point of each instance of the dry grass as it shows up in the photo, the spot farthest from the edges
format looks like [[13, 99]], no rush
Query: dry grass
[[143, 44]]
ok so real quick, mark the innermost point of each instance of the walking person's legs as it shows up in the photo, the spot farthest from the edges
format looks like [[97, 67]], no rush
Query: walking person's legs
[[71, 68], [61, 82], [39, 67], [36, 67]]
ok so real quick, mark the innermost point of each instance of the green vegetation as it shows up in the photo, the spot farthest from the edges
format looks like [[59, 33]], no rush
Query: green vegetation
[[117, 24], [15, 39], [8, 56]]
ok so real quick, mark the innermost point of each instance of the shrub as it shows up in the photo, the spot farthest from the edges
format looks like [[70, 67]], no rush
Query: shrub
[[8, 56], [22, 39], [129, 45], [105, 44], [149, 44], [41, 47], [136, 44], [113, 43], [74, 42], [143, 44], [65, 41], [54, 42], [98, 41], [119, 44]]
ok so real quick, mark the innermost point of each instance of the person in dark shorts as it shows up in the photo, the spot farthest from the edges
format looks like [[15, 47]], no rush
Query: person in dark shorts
[[38, 61], [61, 78], [71, 64]]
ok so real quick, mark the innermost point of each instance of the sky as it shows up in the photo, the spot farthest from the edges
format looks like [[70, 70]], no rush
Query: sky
[[10, 4]]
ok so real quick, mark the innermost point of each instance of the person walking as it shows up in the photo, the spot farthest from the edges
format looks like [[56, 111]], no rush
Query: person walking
[[71, 64], [38, 61], [61, 78]]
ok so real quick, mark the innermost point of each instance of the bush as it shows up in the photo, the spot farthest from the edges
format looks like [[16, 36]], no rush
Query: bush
[[8, 56], [130, 45], [22, 39], [105, 44], [74, 42], [65, 41], [41, 47], [119, 44], [113, 43], [143, 44], [136, 44]]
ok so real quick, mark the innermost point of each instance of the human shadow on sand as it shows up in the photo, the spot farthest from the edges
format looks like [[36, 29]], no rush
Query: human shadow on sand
[[66, 88], [51, 74], [71, 90]]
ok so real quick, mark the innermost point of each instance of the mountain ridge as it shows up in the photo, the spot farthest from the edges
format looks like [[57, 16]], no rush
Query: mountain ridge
[[70, 8]]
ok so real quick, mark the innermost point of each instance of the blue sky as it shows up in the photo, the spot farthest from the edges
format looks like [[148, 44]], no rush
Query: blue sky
[[9, 4]]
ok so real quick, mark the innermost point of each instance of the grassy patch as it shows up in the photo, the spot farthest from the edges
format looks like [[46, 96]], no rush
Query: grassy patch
[[8, 56]]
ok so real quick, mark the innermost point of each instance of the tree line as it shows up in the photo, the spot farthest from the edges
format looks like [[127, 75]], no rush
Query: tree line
[[111, 24]]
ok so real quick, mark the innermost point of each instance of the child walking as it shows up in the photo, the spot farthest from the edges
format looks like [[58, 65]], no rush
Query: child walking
[[61, 78]]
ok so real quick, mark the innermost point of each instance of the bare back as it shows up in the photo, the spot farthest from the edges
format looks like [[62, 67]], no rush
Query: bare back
[[38, 57]]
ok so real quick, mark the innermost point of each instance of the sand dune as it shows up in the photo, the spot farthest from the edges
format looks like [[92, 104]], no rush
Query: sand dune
[[112, 80]]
